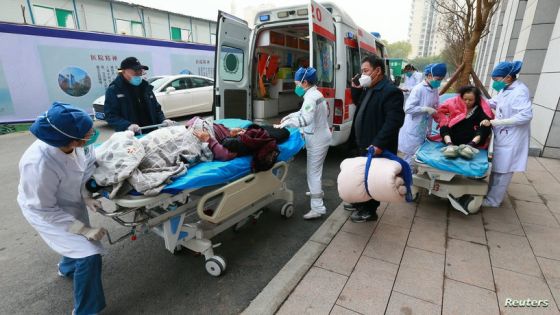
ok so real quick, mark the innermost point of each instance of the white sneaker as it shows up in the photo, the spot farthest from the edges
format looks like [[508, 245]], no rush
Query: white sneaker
[[58, 271], [312, 214]]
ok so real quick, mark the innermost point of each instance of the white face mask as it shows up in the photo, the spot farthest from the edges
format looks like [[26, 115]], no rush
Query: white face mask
[[365, 80]]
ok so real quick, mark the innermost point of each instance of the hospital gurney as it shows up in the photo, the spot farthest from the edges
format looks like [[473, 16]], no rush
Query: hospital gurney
[[463, 182], [210, 198]]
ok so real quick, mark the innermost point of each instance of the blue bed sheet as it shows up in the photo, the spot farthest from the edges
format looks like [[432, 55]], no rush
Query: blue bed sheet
[[218, 172], [429, 153]]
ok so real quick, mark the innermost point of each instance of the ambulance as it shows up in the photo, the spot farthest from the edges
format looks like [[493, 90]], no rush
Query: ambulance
[[254, 67]]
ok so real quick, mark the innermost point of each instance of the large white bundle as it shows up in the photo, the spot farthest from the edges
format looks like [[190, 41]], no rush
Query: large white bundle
[[384, 182]]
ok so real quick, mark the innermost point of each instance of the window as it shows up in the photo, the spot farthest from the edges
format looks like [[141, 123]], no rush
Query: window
[[380, 50], [137, 29], [180, 34], [158, 82], [126, 27], [323, 61], [65, 18], [180, 84], [200, 82], [231, 63], [212, 39], [54, 17], [352, 64]]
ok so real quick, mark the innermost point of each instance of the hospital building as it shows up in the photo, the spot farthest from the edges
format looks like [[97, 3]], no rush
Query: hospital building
[[529, 31]]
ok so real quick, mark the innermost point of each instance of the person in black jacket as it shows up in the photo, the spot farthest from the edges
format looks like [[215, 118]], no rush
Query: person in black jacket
[[378, 118], [130, 102]]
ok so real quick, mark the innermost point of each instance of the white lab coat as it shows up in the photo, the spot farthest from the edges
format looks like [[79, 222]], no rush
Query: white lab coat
[[511, 142], [412, 81], [313, 119], [417, 124], [50, 199]]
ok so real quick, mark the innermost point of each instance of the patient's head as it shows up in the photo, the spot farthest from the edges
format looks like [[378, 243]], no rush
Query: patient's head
[[470, 95]]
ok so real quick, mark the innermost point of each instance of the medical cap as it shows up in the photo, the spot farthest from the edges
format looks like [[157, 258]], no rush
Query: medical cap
[[505, 68], [67, 119], [308, 74], [436, 69]]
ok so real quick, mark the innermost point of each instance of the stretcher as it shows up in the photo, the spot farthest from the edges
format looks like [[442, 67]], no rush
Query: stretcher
[[210, 198], [463, 182]]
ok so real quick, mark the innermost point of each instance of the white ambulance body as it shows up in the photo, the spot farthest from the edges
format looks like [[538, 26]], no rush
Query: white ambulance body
[[317, 35]]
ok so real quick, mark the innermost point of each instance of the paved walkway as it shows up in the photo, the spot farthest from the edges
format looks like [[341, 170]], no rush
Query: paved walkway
[[426, 258]]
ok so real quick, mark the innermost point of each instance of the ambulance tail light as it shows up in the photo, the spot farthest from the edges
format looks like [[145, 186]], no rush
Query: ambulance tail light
[[338, 111]]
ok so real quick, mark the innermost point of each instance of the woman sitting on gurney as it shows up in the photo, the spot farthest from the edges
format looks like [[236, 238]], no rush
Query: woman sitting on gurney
[[464, 123]]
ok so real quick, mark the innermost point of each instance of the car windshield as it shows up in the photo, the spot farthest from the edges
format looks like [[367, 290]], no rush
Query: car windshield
[[152, 79], [157, 83]]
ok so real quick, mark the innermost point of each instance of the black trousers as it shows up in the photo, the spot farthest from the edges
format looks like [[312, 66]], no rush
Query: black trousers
[[372, 204]]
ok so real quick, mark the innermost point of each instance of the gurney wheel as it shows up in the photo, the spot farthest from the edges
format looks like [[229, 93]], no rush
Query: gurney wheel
[[177, 249], [215, 265], [239, 225], [287, 210]]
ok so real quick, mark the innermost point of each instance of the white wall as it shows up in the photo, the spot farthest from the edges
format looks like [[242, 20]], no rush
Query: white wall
[[125, 12], [545, 126], [201, 31], [181, 22], [95, 16], [11, 11], [534, 39], [157, 24]]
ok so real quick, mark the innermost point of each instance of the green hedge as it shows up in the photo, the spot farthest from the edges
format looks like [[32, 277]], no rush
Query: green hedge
[[9, 128]]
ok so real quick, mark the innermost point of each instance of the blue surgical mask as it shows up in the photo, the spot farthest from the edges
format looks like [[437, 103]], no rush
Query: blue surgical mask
[[498, 85], [136, 80], [299, 90], [435, 83], [93, 137], [409, 74]]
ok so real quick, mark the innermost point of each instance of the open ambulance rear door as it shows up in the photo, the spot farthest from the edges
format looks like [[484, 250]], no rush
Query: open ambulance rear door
[[232, 72], [322, 53]]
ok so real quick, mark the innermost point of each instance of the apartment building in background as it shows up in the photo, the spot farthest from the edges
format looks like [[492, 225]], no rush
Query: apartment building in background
[[423, 33]]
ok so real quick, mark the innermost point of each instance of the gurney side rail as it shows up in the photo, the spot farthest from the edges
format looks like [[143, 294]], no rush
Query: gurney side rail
[[242, 193]]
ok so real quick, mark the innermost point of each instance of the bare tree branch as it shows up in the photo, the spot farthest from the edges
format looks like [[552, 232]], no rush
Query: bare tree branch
[[462, 24]]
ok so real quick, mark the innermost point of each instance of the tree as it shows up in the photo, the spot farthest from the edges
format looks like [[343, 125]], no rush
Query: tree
[[421, 62], [400, 49], [465, 22]]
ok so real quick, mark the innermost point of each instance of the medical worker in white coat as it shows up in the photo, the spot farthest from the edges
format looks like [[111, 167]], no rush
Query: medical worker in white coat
[[419, 108], [53, 199], [511, 129], [313, 119], [411, 79]]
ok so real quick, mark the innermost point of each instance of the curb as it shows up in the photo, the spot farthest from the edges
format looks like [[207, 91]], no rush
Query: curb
[[279, 288]]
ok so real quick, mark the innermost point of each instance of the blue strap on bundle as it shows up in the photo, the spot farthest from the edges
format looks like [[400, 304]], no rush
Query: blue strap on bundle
[[406, 172]]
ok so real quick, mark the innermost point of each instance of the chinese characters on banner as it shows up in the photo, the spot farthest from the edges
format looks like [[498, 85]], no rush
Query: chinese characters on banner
[[205, 68], [107, 68]]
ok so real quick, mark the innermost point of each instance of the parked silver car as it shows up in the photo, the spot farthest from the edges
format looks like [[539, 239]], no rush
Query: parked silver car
[[179, 95]]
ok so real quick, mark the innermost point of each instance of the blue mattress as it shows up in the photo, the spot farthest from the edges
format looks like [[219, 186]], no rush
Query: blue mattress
[[218, 172], [429, 153]]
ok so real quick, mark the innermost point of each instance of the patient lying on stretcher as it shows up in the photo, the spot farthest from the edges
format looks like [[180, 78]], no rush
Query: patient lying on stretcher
[[148, 164], [259, 141], [464, 123]]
